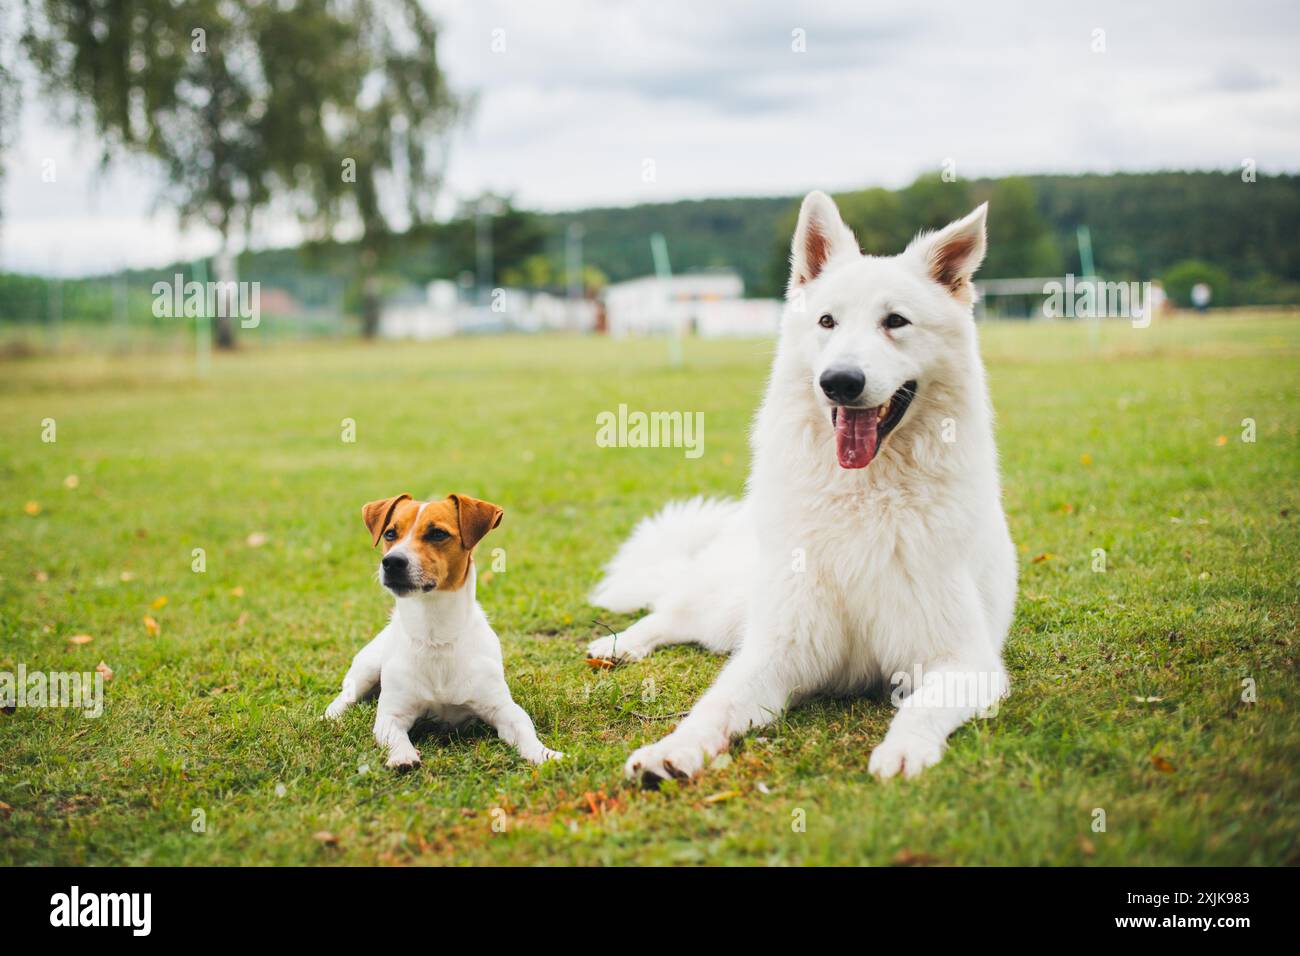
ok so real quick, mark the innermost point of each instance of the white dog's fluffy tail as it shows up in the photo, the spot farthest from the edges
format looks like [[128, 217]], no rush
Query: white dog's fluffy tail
[[660, 552]]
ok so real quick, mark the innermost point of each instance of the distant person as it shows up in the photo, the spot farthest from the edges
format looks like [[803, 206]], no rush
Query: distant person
[[1201, 296]]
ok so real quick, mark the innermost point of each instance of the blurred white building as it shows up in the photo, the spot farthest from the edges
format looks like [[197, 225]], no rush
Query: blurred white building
[[439, 310], [708, 304]]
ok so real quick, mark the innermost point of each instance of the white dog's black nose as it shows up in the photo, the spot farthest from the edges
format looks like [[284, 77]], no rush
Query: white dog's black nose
[[394, 563], [842, 385]]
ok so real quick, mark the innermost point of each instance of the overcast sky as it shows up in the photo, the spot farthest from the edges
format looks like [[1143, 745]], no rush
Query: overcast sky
[[713, 93]]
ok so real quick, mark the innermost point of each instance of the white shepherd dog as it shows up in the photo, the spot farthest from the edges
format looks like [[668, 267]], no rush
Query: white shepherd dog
[[871, 549]]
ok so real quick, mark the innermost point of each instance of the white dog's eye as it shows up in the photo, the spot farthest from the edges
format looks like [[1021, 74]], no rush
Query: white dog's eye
[[826, 321], [895, 321]]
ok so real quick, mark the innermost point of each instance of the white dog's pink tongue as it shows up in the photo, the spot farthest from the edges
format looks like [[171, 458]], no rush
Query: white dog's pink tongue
[[855, 436]]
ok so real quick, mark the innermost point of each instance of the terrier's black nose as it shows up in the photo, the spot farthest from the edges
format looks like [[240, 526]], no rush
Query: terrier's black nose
[[842, 385], [393, 563]]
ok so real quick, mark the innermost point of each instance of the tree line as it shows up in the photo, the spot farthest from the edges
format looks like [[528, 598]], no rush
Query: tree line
[[1178, 227]]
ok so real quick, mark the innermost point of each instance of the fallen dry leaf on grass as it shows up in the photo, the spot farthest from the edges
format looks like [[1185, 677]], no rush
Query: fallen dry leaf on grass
[[906, 857], [599, 802], [76, 802], [80, 639], [237, 591], [599, 663], [1161, 764], [41, 576], [325, 837], [158, 603], [103, 668], [152, 626], [724, 795], [5, 809], [1045, 556]]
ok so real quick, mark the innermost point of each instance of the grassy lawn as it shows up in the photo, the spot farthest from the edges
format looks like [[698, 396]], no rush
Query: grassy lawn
[[1127, 684]]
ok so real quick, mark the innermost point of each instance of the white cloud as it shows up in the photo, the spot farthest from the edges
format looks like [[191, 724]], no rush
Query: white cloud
[[586, 91]]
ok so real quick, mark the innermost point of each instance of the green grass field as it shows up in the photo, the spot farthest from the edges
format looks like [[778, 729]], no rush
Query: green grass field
[[1127, 685]]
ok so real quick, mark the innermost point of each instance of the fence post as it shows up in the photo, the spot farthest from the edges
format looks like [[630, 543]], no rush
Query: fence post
[[202, 324], [122, 331]]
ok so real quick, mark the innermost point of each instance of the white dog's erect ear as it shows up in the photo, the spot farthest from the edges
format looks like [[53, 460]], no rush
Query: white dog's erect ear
[[951, 255], [819, 236]]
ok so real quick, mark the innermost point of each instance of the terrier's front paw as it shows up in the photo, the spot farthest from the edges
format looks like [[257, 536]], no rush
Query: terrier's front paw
[[336, 709], [906, 753], [672, 757], [613, 648]]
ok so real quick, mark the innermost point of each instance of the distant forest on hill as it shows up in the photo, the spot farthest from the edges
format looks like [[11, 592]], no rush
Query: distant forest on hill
[[1243, 238]]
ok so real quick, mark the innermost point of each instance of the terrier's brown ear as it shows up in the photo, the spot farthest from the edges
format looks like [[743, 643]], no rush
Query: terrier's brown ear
[[476, 519], [377, 514]]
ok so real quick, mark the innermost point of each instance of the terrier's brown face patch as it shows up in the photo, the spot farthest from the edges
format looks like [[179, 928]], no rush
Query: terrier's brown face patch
[[428, 545]]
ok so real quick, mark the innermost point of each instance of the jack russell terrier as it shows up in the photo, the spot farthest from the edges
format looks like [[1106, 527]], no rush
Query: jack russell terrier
[[438, 657]]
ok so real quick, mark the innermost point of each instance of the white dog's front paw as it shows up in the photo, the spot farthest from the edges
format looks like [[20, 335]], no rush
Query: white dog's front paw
[[403, 758], [614, 648], [905, 753], [673, 757], [539, 753]]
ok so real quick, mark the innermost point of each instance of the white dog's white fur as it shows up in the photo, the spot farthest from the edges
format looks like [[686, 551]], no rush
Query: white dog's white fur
[[830, 579], [438, 657]]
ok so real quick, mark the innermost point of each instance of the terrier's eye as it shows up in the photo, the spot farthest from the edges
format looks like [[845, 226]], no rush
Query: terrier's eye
[[436, 534], [827, 321], [895, 321], [390, 534]]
